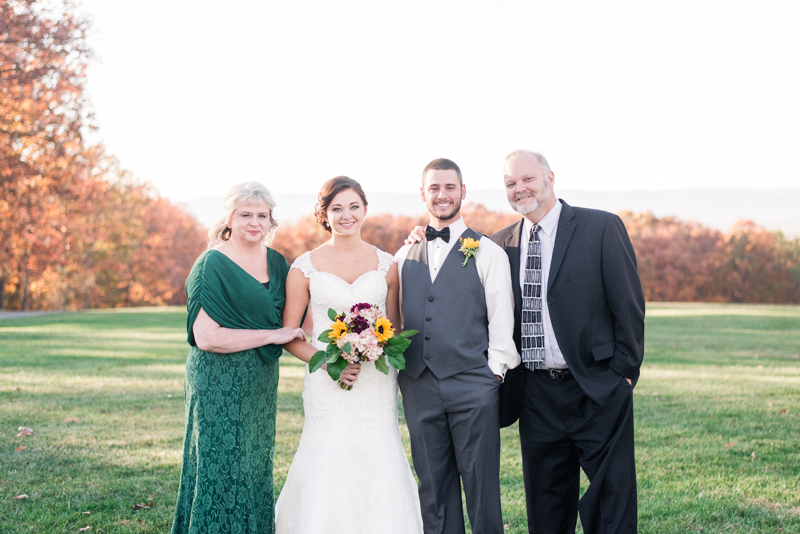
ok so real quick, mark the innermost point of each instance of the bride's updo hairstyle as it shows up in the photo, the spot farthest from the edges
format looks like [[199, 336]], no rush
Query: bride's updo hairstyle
[[328, 192], [246, 194]]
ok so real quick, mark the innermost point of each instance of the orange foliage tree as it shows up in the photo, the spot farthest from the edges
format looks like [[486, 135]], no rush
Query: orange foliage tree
[[678, 261], [75, 231], [42, 73], [387, 232], [760, 266]]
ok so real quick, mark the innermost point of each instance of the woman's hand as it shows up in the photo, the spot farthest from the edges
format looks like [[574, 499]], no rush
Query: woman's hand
[[350, 374], [284, 335]]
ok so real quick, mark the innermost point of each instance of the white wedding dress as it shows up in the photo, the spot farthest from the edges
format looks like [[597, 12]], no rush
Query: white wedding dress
[[350, 473]]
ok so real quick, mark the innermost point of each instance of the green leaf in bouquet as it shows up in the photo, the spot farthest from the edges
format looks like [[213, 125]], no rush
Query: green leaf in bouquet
[[380, 365], [316, 361], [332, 314], [409, 333], [324, 336], [392, 350], [401, 345], [335, 369], [332, 352], [347, 347], [398, 362], [393, 341]]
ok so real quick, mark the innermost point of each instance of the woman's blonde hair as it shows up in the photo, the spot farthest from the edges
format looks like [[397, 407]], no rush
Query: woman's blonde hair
[[246, 194]]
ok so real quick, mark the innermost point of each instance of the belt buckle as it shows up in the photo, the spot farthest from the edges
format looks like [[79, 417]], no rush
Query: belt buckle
[[557, 374]]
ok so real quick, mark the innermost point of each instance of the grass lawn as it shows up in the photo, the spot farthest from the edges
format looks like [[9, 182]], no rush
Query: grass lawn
[[717, 421]]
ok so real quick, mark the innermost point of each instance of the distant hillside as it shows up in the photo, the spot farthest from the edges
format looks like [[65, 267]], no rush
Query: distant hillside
[[775, 209]]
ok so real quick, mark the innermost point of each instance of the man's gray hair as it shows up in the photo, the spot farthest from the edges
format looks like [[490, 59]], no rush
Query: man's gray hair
[[541, 158]]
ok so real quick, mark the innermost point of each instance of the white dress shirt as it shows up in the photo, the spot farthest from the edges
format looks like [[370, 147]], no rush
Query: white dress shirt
[[495, 275], [553, 359]]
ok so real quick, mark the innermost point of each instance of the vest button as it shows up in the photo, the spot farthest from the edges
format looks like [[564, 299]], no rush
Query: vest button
[[427, 318], [430, 299], [427, 357], [427, 338]]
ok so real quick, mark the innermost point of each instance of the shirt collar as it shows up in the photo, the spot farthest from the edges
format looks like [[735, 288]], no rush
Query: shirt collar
[[548, 223]]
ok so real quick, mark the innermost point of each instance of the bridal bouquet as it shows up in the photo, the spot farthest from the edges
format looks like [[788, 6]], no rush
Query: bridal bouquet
[[364, 334]]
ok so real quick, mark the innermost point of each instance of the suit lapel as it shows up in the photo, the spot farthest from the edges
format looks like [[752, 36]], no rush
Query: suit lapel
[[566, 225], [513, 248]]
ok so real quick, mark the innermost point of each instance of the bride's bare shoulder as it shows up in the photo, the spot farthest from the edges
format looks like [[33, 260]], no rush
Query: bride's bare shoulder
[[323, 252]]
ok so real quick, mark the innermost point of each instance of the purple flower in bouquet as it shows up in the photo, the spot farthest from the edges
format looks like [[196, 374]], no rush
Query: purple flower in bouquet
[[359, 324], [364, 334]]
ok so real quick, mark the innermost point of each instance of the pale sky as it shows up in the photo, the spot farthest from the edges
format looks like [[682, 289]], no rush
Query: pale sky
[[194, 96]]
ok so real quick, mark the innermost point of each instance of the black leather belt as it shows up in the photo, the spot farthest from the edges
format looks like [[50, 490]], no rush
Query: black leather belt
[[555, 374]]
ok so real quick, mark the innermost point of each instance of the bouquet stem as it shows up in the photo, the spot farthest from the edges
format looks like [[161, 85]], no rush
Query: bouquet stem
[[345, 386]]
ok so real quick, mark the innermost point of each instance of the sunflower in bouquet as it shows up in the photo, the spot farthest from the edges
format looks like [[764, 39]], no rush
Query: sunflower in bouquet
[[364, 334]]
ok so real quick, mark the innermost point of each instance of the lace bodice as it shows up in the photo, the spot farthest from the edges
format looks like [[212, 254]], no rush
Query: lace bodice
[[329, 291], [321, 396]]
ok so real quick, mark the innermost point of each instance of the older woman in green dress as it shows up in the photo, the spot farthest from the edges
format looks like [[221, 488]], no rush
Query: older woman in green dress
[[236, 295]]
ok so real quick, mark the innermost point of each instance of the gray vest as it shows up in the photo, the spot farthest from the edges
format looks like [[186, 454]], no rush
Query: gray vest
[[450, 313]]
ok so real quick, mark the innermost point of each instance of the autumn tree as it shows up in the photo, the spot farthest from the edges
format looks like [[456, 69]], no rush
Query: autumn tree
[[43, 56], [75, 230], [385, 231], [760, 266], [677, 260]]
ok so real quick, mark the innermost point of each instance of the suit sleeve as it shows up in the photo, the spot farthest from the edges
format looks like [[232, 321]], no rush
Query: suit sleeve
[[624, 297]]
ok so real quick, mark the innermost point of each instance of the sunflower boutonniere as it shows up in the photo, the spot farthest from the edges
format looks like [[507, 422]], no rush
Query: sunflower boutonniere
[[469, 247]]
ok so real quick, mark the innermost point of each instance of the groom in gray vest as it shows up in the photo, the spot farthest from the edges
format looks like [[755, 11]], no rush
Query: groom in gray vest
[[461, 300]]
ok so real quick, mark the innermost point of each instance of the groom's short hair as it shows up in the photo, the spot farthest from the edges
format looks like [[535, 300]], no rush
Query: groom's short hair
[[442, 164]]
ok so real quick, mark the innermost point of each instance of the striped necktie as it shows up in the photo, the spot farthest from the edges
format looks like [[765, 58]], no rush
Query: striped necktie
[[532, 325]]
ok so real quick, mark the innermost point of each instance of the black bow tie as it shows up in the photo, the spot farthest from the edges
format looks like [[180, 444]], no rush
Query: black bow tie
[[432, 233]]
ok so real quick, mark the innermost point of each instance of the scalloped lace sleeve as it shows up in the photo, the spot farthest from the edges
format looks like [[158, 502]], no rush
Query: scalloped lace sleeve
[[385, 261], [304, 265]]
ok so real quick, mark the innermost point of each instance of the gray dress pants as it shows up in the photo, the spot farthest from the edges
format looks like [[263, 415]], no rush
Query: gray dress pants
[[455, 433]]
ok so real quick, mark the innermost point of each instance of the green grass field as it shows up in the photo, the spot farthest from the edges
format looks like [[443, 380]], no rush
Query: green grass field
[[717, 421]]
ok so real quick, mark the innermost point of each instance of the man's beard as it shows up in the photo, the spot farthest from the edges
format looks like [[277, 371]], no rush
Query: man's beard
[[538, 201], [453, 213]]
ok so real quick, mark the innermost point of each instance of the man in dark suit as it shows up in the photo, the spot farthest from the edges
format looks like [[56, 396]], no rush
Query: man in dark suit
[[579, 326]]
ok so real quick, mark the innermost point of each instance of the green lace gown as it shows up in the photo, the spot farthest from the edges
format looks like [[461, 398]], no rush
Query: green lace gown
[[229, 435]]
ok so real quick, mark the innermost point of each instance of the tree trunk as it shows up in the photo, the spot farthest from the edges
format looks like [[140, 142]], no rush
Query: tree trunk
[[87, 303], [3, 280], [26, 294]]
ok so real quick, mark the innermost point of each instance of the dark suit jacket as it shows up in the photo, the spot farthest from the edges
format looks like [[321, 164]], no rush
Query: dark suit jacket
[[595, 300]]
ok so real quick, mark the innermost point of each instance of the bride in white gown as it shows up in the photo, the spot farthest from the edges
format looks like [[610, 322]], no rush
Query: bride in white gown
[[350, 473]]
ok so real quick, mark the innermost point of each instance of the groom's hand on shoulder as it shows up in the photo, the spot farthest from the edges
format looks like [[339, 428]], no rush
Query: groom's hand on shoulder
[[416, 235]]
